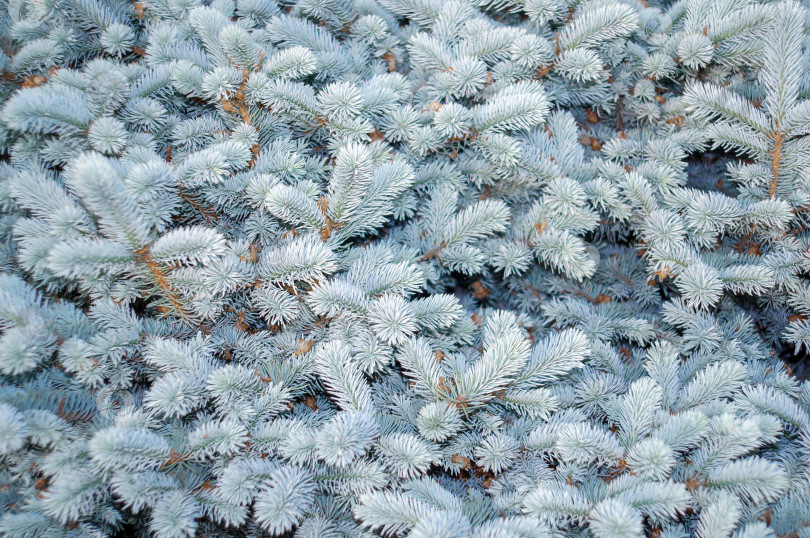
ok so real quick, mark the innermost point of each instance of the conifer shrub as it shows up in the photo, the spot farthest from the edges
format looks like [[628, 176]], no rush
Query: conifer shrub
[[424, 268]]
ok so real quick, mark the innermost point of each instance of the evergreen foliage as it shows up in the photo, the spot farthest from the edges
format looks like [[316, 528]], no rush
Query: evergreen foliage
[[465, 268]]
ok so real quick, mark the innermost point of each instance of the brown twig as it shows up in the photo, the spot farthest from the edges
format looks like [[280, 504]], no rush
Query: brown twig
[[144, 256], [776, 157]]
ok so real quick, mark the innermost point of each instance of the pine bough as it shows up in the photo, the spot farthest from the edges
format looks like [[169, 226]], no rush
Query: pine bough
[[475, 268]]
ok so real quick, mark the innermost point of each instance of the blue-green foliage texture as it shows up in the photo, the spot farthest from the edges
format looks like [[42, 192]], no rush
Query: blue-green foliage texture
[[424, 268]]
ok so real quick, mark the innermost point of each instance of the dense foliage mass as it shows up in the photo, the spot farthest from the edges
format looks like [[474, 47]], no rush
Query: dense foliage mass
[[466, 268]]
